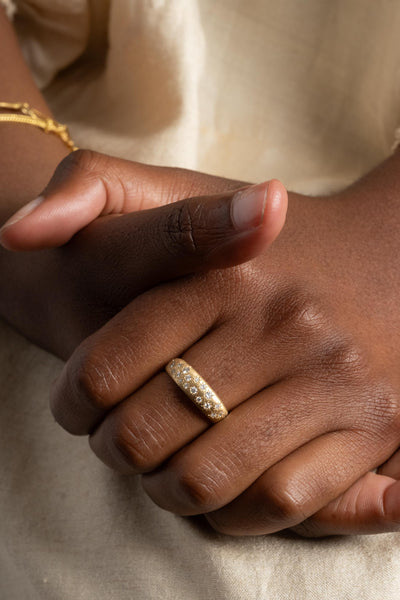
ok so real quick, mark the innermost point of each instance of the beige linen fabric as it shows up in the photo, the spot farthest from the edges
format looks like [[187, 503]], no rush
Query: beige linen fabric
[[305, 91]]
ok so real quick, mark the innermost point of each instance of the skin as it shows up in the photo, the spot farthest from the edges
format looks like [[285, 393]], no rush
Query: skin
[[305, 335], [28, 149], [125, 251]]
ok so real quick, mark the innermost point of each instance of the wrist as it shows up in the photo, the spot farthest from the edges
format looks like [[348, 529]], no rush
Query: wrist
[[27, 166], [28, 157]]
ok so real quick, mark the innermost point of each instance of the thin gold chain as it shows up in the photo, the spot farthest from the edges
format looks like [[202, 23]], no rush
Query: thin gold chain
[[31, 116]]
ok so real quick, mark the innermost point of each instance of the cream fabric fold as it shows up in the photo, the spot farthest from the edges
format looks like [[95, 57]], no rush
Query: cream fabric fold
[[52, 33], [308, 92], [311, 91], [9, 7]]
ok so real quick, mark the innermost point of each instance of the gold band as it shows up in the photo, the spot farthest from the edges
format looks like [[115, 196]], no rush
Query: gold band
[[196, 389], [31, 116]]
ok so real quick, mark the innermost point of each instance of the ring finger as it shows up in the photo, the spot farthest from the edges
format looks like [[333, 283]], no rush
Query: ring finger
[[150, 425]]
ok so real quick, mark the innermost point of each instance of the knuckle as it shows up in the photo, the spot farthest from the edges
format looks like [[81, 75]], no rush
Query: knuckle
[[284, 507], [389, 407], [346, 365], [382, 410], [91, 378], [133, 448], [179, 231], [343, 358], [139, 439], [76, 398], [294, 312], [198, 490], [81, 159]]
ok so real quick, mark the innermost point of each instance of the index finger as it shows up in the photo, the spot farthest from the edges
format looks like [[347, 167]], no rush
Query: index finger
[[130, 349]]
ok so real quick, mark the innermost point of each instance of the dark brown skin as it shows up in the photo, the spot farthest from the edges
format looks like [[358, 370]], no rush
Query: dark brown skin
[[119, 256], [28, 156], [301, 343]]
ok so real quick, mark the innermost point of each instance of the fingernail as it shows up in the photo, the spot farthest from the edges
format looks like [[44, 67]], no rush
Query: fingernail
[[22, 212], [248, 206]]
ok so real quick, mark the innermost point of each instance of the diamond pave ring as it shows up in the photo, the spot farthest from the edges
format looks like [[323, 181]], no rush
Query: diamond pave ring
[[196, 389]]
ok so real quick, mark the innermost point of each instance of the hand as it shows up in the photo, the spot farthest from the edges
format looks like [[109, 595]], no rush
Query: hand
[[57, 297], [302, 346]]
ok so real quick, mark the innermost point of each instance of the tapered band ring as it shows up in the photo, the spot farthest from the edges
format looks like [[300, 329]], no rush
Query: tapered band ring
[[196, 389]]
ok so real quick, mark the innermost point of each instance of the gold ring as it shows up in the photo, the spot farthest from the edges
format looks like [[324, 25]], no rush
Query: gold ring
[[196, 389]]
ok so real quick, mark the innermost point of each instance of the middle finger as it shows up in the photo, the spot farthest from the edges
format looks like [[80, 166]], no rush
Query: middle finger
[[154, 422]]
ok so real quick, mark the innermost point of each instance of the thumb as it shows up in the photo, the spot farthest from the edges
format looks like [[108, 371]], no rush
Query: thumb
[[370, 505], [87, 185], [148, 247], [84, 186]]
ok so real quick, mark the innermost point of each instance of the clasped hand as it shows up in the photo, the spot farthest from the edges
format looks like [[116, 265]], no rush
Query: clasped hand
[[300, 342]]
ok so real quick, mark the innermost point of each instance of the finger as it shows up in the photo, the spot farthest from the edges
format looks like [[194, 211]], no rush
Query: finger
[[148, 247], [128, 351], [217, 467], [300, 485], [163, 264], [141, 432], [87, 184], [370, 505]]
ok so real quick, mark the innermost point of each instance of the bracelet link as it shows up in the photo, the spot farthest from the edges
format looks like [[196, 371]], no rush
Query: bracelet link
[[31, 116]]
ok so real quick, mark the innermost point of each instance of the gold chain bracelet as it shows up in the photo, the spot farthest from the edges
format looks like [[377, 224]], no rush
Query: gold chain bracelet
[[31, 116]]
